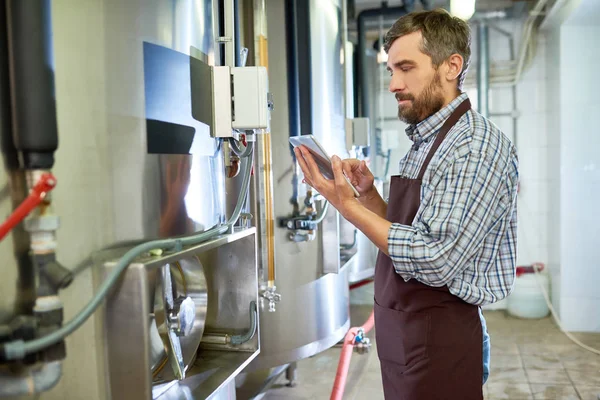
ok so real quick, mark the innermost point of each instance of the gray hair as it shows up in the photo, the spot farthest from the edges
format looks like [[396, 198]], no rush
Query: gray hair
[[443, 36]]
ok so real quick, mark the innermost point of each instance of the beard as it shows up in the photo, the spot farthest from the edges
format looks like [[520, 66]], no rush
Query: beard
[[426, 104]]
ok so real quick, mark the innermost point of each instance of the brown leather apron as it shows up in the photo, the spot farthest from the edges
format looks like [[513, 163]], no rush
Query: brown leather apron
[[429, 341]]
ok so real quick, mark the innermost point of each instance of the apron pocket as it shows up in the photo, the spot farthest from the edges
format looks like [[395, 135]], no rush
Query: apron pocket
[[401, 337]]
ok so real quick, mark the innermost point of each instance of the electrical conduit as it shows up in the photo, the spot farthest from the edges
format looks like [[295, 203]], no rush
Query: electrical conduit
[[342, 371]]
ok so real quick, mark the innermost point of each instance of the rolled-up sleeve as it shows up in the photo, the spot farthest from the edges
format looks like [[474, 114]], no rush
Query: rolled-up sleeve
[[467, 202]]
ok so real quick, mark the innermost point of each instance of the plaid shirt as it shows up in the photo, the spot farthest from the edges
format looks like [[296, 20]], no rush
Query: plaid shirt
[[464, 234]]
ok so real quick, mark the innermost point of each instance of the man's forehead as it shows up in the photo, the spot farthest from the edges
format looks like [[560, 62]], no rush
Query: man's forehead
[[410, 43]]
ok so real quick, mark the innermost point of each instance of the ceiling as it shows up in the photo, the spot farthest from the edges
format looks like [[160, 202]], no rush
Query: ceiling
[[480, 5], [511, 8]]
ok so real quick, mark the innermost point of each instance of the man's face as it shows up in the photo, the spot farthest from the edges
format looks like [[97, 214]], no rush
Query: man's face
[[415, 82]]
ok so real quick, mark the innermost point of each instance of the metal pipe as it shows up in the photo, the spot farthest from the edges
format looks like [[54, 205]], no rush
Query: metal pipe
[[483, 69], [363, 18], [229, 32], [35, 129], [241, 339], [34, 381]]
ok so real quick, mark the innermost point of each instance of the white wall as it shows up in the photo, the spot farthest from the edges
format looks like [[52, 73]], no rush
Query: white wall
[[580, 176]]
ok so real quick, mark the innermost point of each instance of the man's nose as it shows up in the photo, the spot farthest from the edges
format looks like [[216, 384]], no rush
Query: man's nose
[[396, 84]]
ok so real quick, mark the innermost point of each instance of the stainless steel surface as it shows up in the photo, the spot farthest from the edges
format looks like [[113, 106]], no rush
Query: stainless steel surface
[[125, 325], [184, 313], [329, 245], [174, 347], [110, 89], [327, 75], [149, 94], [317, 300], [229, 265]]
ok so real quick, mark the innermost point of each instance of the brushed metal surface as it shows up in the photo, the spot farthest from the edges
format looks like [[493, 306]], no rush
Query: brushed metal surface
[[229, 265], [188, 279], [149, 104], [318, 300]]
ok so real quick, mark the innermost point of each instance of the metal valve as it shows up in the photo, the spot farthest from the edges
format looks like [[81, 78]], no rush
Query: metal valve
[[272, 296], [180, 316], [362, 344]]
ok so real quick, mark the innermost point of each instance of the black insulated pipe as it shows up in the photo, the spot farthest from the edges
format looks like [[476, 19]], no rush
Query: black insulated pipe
[[371, 15], [11, 158], [35, 130]]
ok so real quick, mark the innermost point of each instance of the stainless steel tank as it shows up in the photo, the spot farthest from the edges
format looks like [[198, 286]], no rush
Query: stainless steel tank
[[313, 312], [133, 164]]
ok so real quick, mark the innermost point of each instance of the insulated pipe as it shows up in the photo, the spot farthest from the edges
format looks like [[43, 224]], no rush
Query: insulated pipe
[[483, 69], [342, 371], [35, 129], [35, 381], [364, 17]]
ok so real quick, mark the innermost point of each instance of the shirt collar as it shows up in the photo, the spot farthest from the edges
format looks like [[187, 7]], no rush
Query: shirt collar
[[431, 125]]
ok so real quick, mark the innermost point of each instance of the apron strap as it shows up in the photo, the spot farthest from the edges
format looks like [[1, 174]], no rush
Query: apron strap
[[450, 122]]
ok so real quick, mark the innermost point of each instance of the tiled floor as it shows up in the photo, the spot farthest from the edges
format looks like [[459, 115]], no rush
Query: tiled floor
[[531, 359]]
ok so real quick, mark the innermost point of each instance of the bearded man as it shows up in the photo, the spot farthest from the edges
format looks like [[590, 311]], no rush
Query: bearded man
[[447, 234]]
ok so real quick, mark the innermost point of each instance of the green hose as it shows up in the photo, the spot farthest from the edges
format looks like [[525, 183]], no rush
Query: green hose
[[18, 349]]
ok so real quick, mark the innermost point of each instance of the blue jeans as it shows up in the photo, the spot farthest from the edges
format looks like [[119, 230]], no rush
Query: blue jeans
[[486, 348]]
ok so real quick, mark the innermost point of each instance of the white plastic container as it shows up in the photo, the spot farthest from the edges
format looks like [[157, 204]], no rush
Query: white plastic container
[[527, 299]]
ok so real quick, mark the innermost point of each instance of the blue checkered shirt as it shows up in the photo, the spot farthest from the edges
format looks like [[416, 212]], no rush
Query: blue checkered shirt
[[465, 232]]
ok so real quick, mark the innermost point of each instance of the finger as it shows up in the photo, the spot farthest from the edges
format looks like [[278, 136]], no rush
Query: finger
[[340, 181], [303, 165], [347, 168], [364, 169], [315, 174]]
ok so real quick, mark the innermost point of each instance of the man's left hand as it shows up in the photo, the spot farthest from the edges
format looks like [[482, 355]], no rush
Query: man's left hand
[[338, 191]]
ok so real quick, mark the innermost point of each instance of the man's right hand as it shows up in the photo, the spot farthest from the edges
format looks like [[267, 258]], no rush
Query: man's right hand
[[360, 175]]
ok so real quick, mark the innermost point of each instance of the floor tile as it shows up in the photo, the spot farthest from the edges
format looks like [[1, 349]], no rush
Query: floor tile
[[549, 376], [585, 377], [580, 359], [507, 390], [589, 392], [516, 375], [541, 361], [523, 351], [504, 362], [501, 346], [552, 392]]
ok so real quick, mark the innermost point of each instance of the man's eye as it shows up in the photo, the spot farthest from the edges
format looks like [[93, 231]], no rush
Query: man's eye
[[406, 69]]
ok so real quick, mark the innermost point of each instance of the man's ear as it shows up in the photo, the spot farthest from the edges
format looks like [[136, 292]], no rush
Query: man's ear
[[455, 66]]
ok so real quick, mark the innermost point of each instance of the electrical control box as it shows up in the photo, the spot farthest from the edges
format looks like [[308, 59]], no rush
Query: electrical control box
[[250, 100], [357, 132]]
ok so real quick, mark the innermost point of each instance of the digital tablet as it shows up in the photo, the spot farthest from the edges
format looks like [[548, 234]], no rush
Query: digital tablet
[[320, 156]]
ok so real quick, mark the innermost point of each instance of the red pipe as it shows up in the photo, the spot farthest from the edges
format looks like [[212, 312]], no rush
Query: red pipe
[[37, 194], [361, 283], [342, 371]]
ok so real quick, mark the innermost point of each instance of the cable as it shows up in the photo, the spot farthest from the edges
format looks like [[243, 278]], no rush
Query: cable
[[322, 214], [558, 322], [18, 349]]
